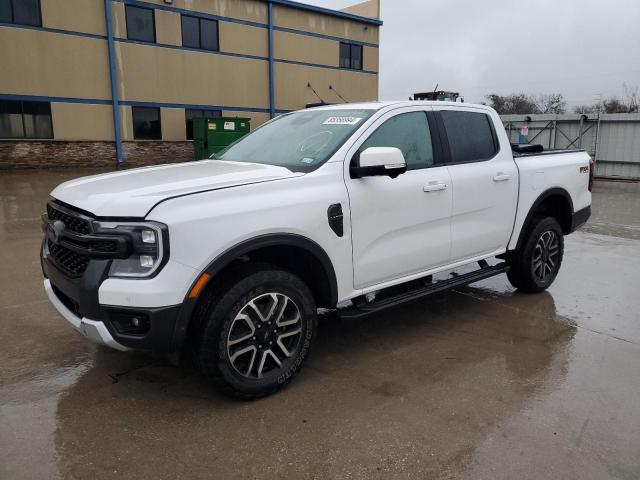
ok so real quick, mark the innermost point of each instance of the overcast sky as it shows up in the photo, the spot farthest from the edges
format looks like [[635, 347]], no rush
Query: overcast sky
[[580, 48]]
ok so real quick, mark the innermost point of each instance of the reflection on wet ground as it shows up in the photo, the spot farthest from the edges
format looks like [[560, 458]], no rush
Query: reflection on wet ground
[[482, 382]]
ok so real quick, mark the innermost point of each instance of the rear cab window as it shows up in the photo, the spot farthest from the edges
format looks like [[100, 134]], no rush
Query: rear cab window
[[470, 134]]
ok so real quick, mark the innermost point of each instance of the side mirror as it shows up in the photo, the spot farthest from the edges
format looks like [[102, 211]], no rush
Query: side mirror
[[375, 161]]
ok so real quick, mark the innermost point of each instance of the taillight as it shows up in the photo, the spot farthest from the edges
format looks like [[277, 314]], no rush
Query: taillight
[[592, 167]]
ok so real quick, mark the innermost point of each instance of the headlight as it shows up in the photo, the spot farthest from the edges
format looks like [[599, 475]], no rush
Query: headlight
[[149, 248]]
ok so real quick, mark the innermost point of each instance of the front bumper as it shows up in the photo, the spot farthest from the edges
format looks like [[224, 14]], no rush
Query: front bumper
[[78, 301], [94, 330]]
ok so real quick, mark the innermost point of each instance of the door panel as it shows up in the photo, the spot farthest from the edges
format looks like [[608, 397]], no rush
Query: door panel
[[485, 190], [399, 226]]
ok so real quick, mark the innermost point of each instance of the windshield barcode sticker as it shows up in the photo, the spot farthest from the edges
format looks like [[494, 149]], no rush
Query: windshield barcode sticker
[[341, 120]]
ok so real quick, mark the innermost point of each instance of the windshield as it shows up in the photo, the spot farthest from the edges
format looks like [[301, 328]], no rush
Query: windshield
[[300, 141]]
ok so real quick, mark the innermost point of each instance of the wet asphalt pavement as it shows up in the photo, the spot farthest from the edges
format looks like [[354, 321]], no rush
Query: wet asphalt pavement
[[478, 383]]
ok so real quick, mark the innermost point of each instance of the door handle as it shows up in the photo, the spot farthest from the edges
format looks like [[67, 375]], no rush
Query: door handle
[[501, 177], [434, 187]]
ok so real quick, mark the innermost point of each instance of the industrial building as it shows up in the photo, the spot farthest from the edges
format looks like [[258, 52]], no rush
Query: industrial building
[[95, 82]]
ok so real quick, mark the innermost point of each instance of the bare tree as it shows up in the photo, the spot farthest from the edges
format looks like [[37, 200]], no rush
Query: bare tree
[[584, 109], [630, 97], [551, 103], [629, 104], [522, 103], [515, 103]]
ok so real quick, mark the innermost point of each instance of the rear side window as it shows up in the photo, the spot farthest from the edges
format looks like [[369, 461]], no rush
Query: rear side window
[[470, 136], [410, 133]]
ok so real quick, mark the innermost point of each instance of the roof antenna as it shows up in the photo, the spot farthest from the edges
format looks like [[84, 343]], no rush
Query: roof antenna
[[316, 93], [435, 90], [337, 93]]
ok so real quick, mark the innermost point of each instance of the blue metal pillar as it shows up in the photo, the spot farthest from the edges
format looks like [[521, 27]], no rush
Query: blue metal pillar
[[272, 88], [114, 82]]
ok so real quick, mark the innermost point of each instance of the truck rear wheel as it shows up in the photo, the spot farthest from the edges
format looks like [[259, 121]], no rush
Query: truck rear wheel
[[535, 266], [257, 332]]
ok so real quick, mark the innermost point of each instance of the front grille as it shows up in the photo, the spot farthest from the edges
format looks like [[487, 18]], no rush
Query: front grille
[[74, 223], [104, 246], [71, 262]]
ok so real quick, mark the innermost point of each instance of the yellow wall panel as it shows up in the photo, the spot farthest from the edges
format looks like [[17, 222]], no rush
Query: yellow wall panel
[[370, 58], [119, 21], [85, 16], [252, 10], [324, 24], [168, 27], [292, 92], [243, 39], [290, 46], [74, 121], [126, 123], [164, 75], [53, 65], [369, 9], [174, 126]]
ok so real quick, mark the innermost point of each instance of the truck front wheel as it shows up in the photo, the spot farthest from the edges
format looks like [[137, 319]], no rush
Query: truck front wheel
[[257, 332], [535, 266]]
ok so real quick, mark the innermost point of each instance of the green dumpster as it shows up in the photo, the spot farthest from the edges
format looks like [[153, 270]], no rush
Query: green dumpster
[[210, 135]]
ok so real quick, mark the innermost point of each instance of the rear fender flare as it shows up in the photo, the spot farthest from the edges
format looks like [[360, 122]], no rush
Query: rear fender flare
[[541, 198]]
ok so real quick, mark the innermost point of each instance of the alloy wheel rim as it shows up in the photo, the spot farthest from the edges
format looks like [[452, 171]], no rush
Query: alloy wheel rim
[[265, 333], [545, 256]]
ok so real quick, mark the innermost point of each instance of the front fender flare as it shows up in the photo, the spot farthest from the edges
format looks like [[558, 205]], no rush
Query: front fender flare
[[243, 248]]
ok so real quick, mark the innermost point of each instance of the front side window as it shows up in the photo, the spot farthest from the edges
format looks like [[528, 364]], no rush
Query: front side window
[[350, 56], [410, 133], [199, 33], [21, 12], [140, 24], [25, 119], [470, 136], [300, 141], [191, 113], [146, 123]]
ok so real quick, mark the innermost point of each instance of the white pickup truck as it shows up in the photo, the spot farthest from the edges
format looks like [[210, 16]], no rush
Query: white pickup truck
[[352, 208]]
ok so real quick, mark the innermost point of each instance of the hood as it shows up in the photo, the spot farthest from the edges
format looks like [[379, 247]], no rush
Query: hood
[[133, 193]]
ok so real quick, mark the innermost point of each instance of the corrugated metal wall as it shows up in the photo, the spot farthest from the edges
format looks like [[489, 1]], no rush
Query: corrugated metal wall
[[613, 140]]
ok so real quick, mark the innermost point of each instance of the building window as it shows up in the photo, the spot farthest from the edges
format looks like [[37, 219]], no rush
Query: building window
[[25, 119], [191, 113], [140, 24], [350, 56], [21, 12], [146, 123], [199, 33]]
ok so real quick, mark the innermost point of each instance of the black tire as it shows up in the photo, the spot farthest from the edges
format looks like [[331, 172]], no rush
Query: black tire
[[250, 305], [532, 268]]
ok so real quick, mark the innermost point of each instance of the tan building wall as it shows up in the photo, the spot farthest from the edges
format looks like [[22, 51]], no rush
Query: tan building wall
[[353, 86], [312, 22], [290, 46], [66, 61], [173, 124], [52, 64], [246, 10], [153, 74], [370, 8], [86, 16], [168, 27], [74, 121]]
